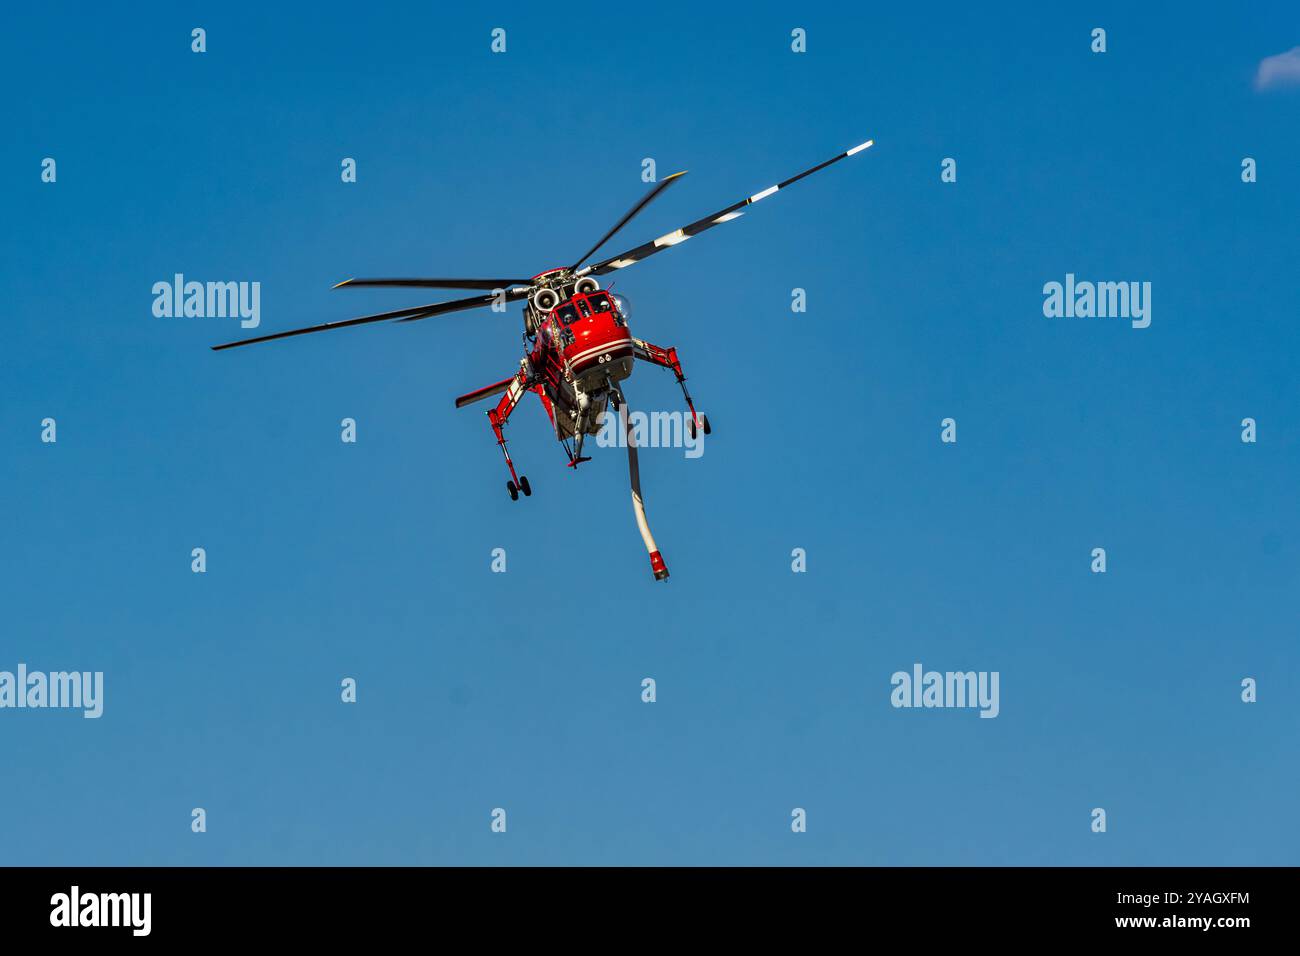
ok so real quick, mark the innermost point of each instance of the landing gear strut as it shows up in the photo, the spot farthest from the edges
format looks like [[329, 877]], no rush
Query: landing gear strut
[[667, 358], [499, 416]]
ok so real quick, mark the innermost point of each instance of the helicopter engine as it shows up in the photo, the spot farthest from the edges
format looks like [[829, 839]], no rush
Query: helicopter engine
[[541, 303]]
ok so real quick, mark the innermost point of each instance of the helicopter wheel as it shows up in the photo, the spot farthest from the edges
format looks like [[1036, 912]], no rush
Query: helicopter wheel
[[690, 426], [525, 487], [514, 492]]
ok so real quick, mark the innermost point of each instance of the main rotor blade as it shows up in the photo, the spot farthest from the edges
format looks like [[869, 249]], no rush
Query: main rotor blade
[[405, 315], [649, 197], [489, 284], [625, 259]]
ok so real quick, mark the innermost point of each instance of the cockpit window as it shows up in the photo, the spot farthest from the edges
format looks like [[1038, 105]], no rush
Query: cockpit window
[[568, 315], [600, 302]]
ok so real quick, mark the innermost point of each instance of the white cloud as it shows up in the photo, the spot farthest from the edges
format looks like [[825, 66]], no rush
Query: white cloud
[[1278, 71]]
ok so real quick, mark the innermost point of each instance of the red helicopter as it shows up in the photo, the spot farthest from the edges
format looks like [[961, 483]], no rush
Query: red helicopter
[[578, 347]]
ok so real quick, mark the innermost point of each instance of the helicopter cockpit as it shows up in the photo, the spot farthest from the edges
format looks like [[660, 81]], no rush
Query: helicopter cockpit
[[585, 306], [584, 300]]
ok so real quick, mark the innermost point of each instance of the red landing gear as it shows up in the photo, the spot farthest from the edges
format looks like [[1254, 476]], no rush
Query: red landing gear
[[667, 358], [498, 416], [523, 486]]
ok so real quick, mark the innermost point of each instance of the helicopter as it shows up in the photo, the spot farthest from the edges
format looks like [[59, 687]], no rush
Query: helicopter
[[578, 345]]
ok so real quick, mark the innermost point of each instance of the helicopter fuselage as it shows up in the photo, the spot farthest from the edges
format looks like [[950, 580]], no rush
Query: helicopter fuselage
[[579, 349]]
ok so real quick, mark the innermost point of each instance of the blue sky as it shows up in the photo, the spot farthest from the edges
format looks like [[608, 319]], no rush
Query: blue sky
[[522, 690]]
